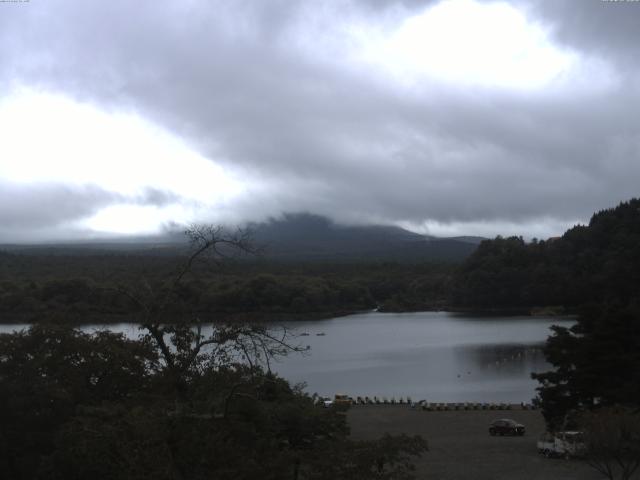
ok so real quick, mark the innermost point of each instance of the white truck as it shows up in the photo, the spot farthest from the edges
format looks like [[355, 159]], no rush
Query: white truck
[[561, 444]]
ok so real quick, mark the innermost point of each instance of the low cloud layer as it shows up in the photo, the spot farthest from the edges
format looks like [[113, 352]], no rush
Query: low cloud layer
[[54, 211], [299, 102]]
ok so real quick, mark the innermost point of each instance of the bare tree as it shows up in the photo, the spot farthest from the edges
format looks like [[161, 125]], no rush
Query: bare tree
[[179, 336], [612, 441]]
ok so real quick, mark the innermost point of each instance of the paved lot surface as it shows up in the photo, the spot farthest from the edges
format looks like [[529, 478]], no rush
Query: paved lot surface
[[460, 446]]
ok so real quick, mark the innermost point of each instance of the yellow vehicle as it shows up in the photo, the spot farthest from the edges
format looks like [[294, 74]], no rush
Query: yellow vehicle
[[342, 399]]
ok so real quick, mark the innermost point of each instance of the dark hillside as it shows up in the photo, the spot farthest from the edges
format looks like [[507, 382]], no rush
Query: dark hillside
[[594, 263], [311, 237], [292, 238]]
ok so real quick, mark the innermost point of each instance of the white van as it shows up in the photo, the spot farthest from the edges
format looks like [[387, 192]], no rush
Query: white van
[[562, 444]]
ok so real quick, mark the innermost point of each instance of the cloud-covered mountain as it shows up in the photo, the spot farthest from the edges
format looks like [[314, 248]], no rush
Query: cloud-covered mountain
[[312, 237], [293, 237]]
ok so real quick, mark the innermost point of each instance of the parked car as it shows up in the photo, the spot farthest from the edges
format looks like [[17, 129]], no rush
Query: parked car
[[561, 444], [506, 426], [326, 402]]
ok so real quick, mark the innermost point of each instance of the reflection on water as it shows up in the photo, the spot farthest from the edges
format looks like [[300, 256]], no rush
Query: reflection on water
[[505, 358], [432, 355], [437, 356]]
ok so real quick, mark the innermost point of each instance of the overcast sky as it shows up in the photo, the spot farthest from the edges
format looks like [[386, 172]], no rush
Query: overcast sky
[[447, 117]]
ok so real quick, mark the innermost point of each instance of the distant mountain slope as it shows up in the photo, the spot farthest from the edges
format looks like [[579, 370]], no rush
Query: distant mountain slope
[[468, 239], [312, 237], [292, 237]]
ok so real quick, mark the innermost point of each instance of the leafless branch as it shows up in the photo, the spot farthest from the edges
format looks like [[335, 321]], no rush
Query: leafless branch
[[181, 344]]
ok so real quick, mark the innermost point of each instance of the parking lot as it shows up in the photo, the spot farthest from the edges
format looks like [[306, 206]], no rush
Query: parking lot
[[460, 446]]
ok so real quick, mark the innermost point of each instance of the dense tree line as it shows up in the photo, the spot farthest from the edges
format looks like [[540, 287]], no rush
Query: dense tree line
[[594, 263], [77, 406], [77, 298], [86, 288]]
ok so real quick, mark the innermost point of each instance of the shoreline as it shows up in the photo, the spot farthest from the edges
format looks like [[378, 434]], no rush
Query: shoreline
[[115, 318], [272, 317]]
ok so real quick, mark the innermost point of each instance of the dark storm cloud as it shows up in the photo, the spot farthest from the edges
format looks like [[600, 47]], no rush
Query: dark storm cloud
[[49, 205], [153, 196], [245, 83], [606, 28]]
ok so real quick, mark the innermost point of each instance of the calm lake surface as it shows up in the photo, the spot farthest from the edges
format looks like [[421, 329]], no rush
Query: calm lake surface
[[438, 356]]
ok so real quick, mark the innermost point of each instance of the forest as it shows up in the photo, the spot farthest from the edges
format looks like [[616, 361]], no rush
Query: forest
[[85, 288], [597, 262]]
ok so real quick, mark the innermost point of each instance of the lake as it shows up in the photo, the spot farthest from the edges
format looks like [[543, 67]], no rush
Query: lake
[[438, 356]]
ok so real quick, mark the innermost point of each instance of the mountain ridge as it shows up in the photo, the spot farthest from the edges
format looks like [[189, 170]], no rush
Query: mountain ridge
[[295, 237]]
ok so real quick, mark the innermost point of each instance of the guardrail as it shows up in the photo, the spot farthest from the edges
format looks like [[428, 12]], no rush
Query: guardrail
[[439, 406]]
